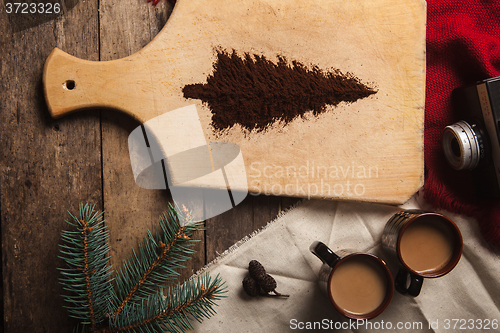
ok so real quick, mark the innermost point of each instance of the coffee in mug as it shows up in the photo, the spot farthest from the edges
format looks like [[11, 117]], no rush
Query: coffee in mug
[[424, 244], [359, 285]]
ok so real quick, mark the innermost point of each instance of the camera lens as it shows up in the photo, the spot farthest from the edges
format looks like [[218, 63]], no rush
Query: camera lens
[[462, 144]]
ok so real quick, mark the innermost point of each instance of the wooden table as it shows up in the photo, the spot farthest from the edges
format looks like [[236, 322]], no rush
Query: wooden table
[[48, 166]]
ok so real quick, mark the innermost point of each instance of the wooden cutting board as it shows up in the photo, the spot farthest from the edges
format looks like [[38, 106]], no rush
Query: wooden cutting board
[[368, 150]]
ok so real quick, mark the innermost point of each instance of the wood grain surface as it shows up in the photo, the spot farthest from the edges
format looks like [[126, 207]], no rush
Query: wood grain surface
[[48, 166]]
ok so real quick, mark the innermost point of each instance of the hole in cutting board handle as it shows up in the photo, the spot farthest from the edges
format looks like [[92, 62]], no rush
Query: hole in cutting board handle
[[69, 85]]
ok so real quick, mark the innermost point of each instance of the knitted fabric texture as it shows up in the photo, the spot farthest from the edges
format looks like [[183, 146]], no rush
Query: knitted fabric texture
[[463, 47]]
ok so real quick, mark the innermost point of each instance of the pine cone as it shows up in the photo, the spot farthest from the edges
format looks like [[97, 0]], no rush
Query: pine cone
[[267, 283], [251, 287], [256, 269]]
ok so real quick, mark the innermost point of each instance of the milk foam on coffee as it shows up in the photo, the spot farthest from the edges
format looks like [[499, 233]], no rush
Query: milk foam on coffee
[[426, 245], [358, 285]]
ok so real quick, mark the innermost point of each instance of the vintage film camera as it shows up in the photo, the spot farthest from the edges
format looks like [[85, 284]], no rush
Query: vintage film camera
[[474, 142]]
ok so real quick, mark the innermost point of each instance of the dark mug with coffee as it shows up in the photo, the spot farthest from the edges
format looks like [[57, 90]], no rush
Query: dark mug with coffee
[[359, 285], [424, 245]]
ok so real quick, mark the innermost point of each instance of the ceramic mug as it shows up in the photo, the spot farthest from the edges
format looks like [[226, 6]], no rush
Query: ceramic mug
[[359, 285], [423, 244]]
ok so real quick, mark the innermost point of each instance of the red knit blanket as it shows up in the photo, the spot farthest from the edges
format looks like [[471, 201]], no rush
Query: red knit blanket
[[463, 47]]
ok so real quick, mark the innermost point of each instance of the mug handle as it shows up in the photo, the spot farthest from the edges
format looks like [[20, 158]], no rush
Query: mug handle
[[415, 286], [324, 253]]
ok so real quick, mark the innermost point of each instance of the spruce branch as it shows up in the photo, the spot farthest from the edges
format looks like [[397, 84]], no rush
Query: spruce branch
[[87, 273], [138, 303], [172, 312], [159, 256]]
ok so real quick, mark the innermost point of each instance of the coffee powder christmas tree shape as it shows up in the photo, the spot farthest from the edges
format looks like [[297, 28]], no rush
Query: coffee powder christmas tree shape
[[255, 92]]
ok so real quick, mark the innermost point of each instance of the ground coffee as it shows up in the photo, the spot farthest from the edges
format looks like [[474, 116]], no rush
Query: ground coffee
[[255, 92]]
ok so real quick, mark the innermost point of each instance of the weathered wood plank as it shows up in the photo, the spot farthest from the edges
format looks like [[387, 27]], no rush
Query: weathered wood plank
[[46, 166], [286, 202], [126, 27], [228, 228]]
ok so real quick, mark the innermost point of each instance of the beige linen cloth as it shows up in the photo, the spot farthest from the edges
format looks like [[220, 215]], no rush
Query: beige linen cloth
[[465, 300]]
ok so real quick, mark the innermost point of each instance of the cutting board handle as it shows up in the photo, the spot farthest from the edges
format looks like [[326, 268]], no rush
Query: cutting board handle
[[71, 84]]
